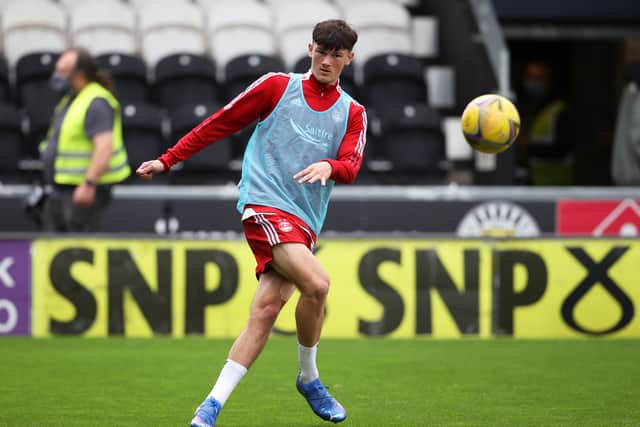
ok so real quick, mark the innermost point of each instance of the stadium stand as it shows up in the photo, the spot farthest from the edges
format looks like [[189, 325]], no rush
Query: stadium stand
[[184, 79], [239, 28], [411, 139], [5, 94], [35, 96], [104, 26], [129, 73], [71, 4], [392, 79], [30, 26], [142, 129], [187, 55], [381, 29], [215, 157], [175, 27], [293, 19], [10, 140]]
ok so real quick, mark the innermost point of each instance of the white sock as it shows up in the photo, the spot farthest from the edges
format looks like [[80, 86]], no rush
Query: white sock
[[230, 376], [307, 359]]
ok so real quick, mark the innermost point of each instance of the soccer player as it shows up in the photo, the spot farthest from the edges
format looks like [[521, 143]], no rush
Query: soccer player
[[310, 134]]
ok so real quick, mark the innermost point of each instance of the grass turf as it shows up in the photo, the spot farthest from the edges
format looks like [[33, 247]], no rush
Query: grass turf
[[422, 382]]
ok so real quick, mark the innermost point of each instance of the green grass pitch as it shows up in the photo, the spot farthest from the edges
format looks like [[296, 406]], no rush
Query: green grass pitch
[[422, 382]]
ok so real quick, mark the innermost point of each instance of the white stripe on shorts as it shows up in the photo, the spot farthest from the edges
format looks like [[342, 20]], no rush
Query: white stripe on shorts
[[269, 229]]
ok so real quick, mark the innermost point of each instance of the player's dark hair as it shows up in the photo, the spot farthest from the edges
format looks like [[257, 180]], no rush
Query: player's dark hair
[[334, 34], [88, 65]]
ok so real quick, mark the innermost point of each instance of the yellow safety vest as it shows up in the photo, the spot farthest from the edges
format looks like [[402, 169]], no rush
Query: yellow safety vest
[[75, 149], [543, 129]]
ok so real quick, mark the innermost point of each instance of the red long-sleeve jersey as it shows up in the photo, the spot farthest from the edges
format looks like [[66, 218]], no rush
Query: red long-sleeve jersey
[[258, 101]]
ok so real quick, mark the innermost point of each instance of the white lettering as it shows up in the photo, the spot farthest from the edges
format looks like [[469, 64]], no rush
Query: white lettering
[[12, 316], [5, 276]]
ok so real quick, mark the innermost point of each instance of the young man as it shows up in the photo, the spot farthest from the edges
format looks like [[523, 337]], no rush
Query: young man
[[310, 134]]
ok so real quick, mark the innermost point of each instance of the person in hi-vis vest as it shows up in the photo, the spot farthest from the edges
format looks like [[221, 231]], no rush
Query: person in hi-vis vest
[[83, 153], [547, 139]]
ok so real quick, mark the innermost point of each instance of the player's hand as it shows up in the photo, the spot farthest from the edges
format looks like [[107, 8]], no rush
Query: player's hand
[[148, 169], [320, 171]]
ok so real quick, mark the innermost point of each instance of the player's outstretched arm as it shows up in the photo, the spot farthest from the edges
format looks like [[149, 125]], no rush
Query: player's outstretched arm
[[147, 169]]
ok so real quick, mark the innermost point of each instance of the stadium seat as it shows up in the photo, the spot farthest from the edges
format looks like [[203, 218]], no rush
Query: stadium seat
[[238, 30], [184, 79], [294, 21], [347, 78], [243, 71], [104, 26], [33, 26], [286, 3], [346, 3], [10, 139], [441, 84], [411, 139], [129, 74], [171, 27], [33, 72], [424, 36], [142, 129], [393, 79], [70, 4], [214, 157], [381, 29], [5, 93]]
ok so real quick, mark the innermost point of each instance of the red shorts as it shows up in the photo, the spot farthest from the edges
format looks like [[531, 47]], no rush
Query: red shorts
[[269, 227]]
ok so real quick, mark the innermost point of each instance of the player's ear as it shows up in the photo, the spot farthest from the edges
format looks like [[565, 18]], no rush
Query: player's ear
[[349, 57], [310, 49]]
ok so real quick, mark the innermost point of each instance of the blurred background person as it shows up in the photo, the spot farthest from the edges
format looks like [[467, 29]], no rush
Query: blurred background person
[[546, 143], [83, 153], [625, 164]]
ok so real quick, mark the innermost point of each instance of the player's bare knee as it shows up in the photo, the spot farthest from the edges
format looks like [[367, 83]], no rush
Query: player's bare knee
[[318, 288], [263, 318], [268, 313]]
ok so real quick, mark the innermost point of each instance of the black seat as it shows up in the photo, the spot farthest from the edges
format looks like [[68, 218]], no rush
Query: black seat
[[129, 74], [34, 95], [4, 81], [347, 78], [240, 72], [142, 132], [392, 79], [10, 139], [411, 138], [213, 157], [185, 79]]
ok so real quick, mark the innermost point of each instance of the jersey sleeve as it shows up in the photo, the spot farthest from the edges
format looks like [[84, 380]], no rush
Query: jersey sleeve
[[256, 102], [346, 166]]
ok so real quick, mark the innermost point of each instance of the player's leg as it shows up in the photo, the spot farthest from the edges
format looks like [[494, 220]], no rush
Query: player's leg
[[296, 262], [272, 294]]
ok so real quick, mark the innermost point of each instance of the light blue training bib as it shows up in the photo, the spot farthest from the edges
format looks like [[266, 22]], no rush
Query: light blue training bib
[[291, 138]]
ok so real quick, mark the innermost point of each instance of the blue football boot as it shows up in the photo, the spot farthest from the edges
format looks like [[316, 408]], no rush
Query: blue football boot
[[207, 413], [323, 404]]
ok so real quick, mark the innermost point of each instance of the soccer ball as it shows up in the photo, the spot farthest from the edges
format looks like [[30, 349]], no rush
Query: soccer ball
[[490, 123]]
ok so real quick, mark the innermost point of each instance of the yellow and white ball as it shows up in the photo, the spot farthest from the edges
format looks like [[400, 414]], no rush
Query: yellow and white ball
[[490, 123]]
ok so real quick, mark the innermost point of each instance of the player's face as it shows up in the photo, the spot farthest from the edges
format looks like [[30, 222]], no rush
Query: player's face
[[326, 65]]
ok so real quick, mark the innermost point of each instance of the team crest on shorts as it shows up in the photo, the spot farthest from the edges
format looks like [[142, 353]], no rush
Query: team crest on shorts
[[285, 226]]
